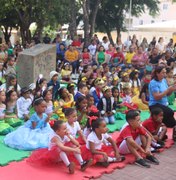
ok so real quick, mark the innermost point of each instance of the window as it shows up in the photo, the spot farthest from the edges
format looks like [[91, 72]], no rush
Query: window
[[141, 22], [165, 6], [152, 21]]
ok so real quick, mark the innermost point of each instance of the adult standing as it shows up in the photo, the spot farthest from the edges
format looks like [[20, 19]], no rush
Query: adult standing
[[158, 92]]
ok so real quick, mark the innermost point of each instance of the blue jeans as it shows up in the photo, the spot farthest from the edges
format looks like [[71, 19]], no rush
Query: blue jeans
[[110, 119]]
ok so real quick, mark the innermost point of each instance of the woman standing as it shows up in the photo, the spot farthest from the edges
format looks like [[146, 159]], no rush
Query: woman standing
[[158, 92]]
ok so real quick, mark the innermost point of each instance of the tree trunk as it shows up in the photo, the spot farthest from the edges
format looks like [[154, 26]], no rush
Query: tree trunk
[[109, 35], [72, 25], [7, 34], [93, 17], [85, 7], [39, 30], [25, 34]]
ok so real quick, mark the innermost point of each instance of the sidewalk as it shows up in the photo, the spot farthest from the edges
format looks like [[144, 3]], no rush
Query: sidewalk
[[165, 171]]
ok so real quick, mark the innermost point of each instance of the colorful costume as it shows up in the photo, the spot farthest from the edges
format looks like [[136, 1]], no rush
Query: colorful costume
[[27, 138]]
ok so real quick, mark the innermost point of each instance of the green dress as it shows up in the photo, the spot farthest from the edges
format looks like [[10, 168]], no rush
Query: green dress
[[101, 57]]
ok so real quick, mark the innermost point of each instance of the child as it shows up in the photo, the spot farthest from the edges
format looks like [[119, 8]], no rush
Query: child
[[106, 106], [11, 110], [132, 137], [34, 133], [102, 155], [2, 73], [41, 85], [71, 88], [127, 98], [11, 81], [66, 73], [81, 106], [4, 127], [11, 67], [23, 104], [32, 88], [136, 84], [82, 91], [73, 125], [55, 83], [155, 126], [58, 149], [86, 57], [97, 93], [47, 96]]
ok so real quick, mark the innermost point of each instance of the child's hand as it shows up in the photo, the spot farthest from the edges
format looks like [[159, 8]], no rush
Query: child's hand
[[77, 150], [105, 156]]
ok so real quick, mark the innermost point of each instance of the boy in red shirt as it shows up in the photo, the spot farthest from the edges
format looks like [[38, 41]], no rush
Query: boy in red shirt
[[134, 139], [155, 126]]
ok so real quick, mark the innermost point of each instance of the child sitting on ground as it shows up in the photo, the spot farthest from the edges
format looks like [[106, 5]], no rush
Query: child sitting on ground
[[106, 106], [58, 149], [155, 126], [101, 154], [132, 137]]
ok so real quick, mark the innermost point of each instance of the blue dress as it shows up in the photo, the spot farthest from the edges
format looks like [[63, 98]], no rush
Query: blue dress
[[27, 138]]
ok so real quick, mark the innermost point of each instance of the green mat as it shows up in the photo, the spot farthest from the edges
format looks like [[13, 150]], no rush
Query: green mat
[[8, 154], [120, 120]]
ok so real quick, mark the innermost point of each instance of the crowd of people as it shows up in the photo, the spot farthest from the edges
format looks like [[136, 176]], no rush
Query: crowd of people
[[70, 112]]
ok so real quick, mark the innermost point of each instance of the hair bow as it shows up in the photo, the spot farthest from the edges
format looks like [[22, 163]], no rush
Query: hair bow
[[51, 123], [92, 118], [93, 109]]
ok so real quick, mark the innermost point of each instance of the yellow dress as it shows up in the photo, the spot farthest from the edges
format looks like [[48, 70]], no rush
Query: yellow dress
[[141, 106]]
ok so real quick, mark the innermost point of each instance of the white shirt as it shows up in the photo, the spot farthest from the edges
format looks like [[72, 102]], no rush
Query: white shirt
[[63, 141], [92, 48], [106, 45], [92, 137], [23, 106], [73, 129]]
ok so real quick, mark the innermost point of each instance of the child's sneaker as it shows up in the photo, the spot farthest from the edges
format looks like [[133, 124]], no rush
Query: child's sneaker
[[71, 168], [152, 159], [141, 162], [86, 164], [174, 133], [104, 164]]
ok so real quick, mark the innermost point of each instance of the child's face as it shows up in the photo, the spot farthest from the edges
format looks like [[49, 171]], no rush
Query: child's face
[[91, 101], [135, 123], [65, 92], [108, 93], [11, 62], [158, 118], [62, 131], [103, 128], [72, 117], [115, 93], [13, 82], [55, 77], [127, 91], [48, 96], [126, 79], [13, 96], [67, 67], [26, 95], [2, 96], [43, 84], [85, 49], [170, 74], [83, 104], [84, 90], [41, 107]]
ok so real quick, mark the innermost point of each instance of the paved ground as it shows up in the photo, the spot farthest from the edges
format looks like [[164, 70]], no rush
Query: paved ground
[[165, 171]]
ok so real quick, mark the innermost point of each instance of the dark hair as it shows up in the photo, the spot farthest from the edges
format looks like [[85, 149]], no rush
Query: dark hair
[[8, 94], [131, 114], [69, 111], [79, 100], [57, 124], [38, 101], [81, 86], [96, 123], [38, 83], [45, 92], [158, 69], [11, 77], [156, 111], [168, 70], [60, 91], [144, 89], [132, 76], [113, 90]]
